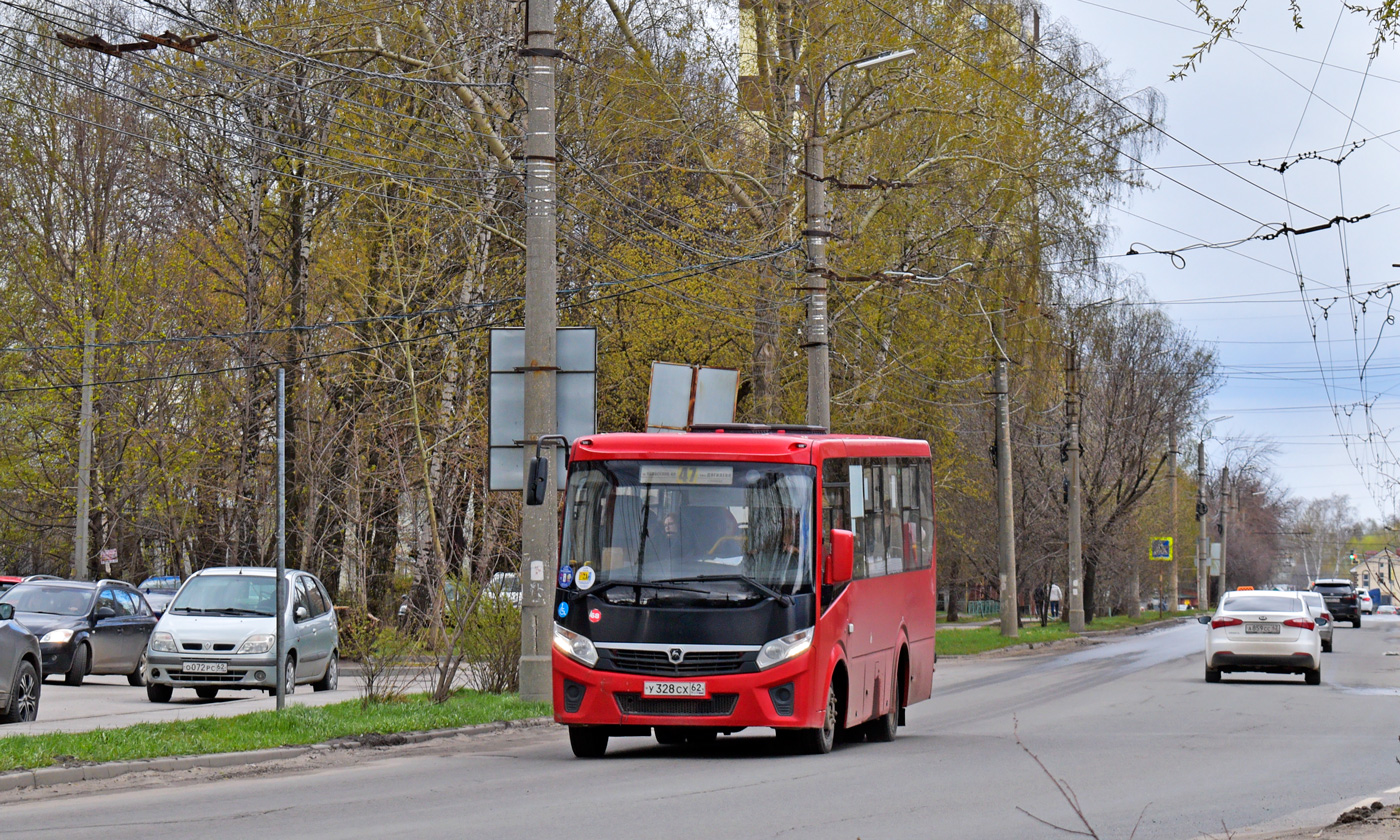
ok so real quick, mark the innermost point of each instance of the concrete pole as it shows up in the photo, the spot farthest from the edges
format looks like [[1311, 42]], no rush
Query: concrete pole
[[818, 336], [85, 423], [1224, 522], [1076, 545], [1006, 517], [1202, 545], [1175, 587], [281, 625], [539, 528]]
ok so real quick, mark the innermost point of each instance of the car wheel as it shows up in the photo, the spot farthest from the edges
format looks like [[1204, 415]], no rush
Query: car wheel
[[157, 693], [819, 741], [587, 742], [24, 695], [330, 680], [206, 692], [1326, 645], [289, 676], [138, 677], [1356, 622], [1313, 677], [78, 669], [1212, 675]]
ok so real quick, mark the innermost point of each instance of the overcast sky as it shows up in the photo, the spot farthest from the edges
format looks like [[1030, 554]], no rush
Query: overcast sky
[[1328, 402]]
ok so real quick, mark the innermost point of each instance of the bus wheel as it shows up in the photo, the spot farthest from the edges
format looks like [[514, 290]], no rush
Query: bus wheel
[[587, 742], [820, 740], [884, 727], [669, 736]]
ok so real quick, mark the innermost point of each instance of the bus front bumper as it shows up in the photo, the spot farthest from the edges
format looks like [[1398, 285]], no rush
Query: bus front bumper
[[783, 697]]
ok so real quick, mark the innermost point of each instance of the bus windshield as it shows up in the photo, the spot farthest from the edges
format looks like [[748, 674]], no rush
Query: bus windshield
[[729, 532]]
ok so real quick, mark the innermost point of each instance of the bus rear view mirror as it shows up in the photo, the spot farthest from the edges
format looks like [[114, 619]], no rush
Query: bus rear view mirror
[[841, 564], [537, 481]]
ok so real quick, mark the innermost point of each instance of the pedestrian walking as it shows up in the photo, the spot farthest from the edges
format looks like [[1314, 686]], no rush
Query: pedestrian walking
[[1055, 596]]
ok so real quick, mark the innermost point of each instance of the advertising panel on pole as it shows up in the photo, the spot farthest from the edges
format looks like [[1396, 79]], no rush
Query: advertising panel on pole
[[685, 395], [575, 388]]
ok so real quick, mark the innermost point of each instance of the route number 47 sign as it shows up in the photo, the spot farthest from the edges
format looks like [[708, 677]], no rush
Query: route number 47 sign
[[1161, 549]]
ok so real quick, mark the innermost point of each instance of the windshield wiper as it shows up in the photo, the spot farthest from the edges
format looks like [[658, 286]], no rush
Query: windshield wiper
[[645, 584], [768, 591], [240, 611]]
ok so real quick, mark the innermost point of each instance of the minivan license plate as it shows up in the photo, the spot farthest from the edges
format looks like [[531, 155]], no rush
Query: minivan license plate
[[204, 667], [652, 688], [1256, 628]]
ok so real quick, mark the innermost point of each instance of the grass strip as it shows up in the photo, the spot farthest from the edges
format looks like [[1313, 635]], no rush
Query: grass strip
[[293, 726], [982, 639]]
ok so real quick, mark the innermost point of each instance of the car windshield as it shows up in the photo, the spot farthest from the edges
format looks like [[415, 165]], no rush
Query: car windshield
[[52, 600], [1263, 603], [718, 532], [227, 595]]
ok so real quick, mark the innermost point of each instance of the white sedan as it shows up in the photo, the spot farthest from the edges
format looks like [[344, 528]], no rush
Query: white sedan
[[1272, 632]]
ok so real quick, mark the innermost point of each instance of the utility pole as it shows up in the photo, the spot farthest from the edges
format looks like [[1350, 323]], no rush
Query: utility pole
[[1202, 549], [1076, 547], [81, 525], [538, 529], [281, 587], [1006, 517], [817, 338], [1175, 588], [1224, 521]]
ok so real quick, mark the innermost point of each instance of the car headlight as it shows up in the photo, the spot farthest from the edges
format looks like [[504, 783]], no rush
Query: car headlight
[[259, 643], [781, 650], [162, 642], [57, 637], [575, 646]]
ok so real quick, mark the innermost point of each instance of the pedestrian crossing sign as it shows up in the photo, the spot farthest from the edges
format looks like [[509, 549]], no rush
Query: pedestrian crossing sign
[[1161, 549]]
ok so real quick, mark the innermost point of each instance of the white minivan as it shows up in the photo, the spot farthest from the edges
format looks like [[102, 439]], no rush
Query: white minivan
[[219, 633]]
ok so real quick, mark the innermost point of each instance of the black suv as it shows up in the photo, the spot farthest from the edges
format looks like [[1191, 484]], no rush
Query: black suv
[[85, 627], [1340, 597]]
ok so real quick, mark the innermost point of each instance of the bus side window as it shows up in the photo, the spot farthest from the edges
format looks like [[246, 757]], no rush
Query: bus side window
[[874, 523], [926, 514]]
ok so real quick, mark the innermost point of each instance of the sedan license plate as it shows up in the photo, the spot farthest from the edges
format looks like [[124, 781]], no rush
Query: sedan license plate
[[204, 667], [651, 688], [1255, 628]]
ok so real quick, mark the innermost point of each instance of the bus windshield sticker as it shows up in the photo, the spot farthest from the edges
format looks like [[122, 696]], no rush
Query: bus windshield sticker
[[685, 474], [584, 578], [857, 492]]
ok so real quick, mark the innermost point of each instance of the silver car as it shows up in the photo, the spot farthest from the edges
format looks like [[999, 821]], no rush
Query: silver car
[[220, 633], [1318, 608]]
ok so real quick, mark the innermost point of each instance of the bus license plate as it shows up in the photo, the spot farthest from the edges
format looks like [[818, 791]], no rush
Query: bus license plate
[[204, 667], [652, 688], [1256, 628]]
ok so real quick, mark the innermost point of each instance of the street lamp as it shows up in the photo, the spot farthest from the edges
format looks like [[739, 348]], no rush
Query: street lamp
[[816, 233]]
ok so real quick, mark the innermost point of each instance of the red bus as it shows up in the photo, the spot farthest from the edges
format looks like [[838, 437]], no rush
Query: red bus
[[739, 576]]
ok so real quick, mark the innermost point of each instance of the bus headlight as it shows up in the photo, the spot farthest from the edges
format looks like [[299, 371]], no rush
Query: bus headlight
[[576, 647], [781, 650]]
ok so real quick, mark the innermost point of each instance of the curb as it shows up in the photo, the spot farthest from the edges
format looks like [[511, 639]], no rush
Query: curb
[[67, 774]]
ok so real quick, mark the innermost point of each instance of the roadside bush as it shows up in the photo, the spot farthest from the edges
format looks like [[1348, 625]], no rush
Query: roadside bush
[[386, 656], [492, 645]]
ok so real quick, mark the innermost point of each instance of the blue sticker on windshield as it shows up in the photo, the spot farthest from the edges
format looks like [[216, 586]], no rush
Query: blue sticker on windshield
[[564, 610], [566, 576]]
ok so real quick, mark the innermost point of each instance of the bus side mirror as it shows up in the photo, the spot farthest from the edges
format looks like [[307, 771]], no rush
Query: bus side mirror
[[841, 564], [537, 481]]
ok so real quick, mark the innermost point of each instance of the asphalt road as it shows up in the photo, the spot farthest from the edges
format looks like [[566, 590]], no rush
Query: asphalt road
[[1130, 726], [110, 702]]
